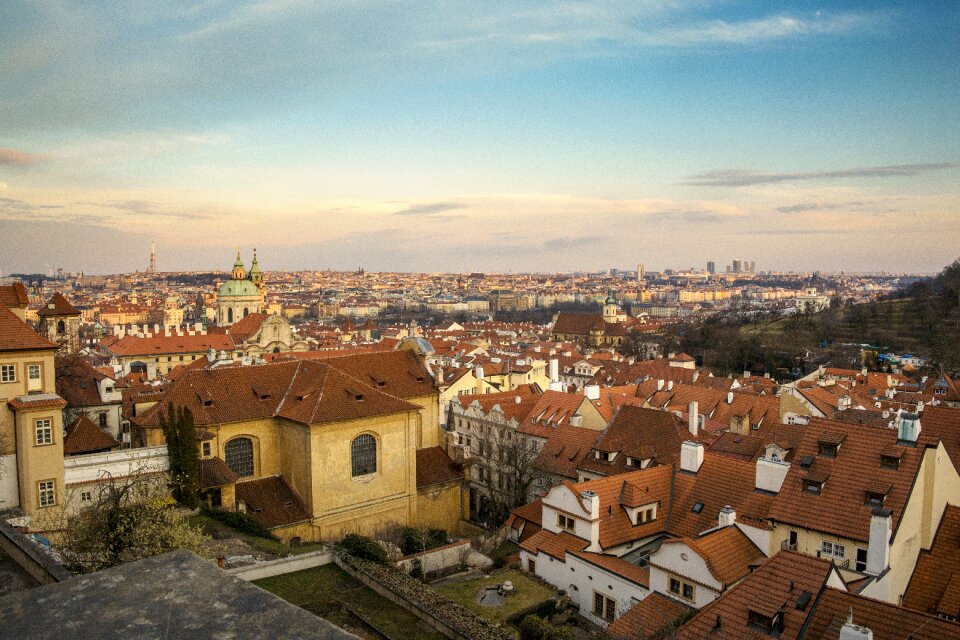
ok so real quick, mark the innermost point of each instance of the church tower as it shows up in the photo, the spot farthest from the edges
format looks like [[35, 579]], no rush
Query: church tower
[[256, 275], [611, 310], [240, 296]]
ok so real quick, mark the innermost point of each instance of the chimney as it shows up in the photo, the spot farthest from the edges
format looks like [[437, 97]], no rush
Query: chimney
[[746, 374], [592, 502], [878, 548], [851, 631], [729, 397], [517, 400], [592, 391], [670, 385], [693, 421], [770, 474], [212, 355], [691, 456], [478, 372], [576, 420], [660, 385], [908, 428], [727, 516], [554, 370]]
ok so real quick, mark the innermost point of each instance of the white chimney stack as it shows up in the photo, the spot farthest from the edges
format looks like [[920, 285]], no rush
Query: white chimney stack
[[554, 370], [727, 516], [770, 474], [670, 385], [660, 384], [908, 428], [691, 456], [729, 397], [478, 372], [592, 502], [878, 548], [592, 391], [693, 420], [851, 631]]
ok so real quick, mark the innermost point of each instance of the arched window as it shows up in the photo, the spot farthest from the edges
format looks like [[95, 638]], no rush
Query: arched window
[[246, 312], [61, 327], [230, 314], [363, 452], [239, 456]]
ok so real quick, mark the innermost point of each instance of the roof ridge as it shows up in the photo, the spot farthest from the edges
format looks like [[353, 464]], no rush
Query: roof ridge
[[283, 400]]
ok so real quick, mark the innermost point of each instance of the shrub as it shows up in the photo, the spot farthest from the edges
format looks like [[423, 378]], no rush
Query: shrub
[[415, 540], [363, 547], [241, 522], [536, 628]]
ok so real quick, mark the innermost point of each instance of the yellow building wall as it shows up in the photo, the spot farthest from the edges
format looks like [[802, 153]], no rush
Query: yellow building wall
[[808, 542], [440, 506]]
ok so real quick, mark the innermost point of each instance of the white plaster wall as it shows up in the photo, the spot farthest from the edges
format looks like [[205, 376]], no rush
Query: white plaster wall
[[758, 536], [589, 578], [660, 581]]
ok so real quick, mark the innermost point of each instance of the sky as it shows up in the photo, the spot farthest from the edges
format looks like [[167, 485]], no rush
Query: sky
[[479, 136]]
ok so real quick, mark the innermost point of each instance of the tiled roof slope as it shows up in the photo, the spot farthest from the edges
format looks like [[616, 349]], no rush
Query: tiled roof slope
[[638, 433], [841, 508], [85, 437], [272, 501], [16, 335], [14, 295], [778, 583], [58, 305], [166, 344], [565, 450], [651, 619], [728, 552], [308, 392], [933, 588], [434, 466], [886, 621], [214, 472], [247, 326]]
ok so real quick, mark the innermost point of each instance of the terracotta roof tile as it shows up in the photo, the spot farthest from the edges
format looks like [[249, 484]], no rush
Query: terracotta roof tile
[[932, 587], [214, 472], [272, 501], [58, 305], [553, 544], [85, 437], [434, 466], [617, 566], [646, 619], [14, 296], [16, 335]]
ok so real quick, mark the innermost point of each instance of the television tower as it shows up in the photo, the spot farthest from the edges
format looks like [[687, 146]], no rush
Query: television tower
[[153, 258]]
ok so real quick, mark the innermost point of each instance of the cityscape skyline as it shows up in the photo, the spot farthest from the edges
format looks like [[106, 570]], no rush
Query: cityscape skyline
[[448, 137]]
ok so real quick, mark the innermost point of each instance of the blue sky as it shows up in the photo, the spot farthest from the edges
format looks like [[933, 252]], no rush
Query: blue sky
[[534, 136]]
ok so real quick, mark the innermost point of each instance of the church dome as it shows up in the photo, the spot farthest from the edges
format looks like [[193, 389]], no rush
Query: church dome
[[238, 289]]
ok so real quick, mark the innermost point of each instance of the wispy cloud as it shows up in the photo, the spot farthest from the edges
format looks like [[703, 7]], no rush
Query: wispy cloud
[[144, 207], [430, 209], [746, 178], [562, 244], [755, 31], [17, 158]]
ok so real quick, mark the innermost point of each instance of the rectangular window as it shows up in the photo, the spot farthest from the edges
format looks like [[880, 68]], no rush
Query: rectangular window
[[683, 589], [43, 431], [34, 382], [604, 607], [861, 564], [47, 493], [531, 565], [832, 549], [103, 420], [674, 586], [86, 496], [565, 522], [206, 449], [8, 373]]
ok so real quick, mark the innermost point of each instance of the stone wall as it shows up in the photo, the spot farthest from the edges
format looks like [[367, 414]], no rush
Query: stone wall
[[280, 566], [436, 610], [440, 559], [41, 567]]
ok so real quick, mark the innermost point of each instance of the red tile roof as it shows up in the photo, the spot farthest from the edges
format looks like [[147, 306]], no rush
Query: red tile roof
[[640, 434], [933, 588], [162, 344], [728, 552], [214, 472], [85, 437], [886, 621], [16, 335], [646, 619], [553, 544], [617, 566], [434, 466], [58, 305], [272, 501], [247, 326], [14, 295]]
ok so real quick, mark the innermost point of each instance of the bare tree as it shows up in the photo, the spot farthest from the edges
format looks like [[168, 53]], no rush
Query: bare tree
[[505, 469]]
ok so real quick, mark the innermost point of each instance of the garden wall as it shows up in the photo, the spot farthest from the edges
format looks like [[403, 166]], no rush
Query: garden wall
[[280, 566], [41, 567]]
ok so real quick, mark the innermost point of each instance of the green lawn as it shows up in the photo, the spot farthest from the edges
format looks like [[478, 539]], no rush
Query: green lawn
[[330, 593], [218, 531], [528, 594]]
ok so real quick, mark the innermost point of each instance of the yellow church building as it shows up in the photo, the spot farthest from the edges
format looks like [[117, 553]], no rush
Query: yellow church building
[[317, 449]]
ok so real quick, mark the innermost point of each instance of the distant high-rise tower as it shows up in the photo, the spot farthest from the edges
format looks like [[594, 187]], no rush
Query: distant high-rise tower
[[711, 267], [153, 258], [640, 272], [738, 266]]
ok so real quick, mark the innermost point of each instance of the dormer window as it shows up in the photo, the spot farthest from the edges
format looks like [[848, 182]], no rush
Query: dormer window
[[890, 461], [828, 449], [611, 455], [647, 514], [874, 498], [813, 486], [768, 624]]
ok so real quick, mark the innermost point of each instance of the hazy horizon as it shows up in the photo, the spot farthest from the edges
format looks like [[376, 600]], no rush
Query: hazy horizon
[[459, 137]]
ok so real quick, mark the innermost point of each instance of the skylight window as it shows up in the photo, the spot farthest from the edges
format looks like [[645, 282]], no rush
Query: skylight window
[[698, 507]]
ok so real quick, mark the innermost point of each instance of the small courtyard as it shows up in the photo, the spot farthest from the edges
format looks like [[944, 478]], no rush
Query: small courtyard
[[337, 597], [480, 596]]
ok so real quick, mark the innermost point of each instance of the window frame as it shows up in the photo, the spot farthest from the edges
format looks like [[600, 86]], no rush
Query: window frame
[[47, 496], [8, 373], [566, 523], [357, 471], [45, 426], [253, 455], [604, 607]]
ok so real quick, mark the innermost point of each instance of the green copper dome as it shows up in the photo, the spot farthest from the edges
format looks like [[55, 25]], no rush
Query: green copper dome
[[238, 289]]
